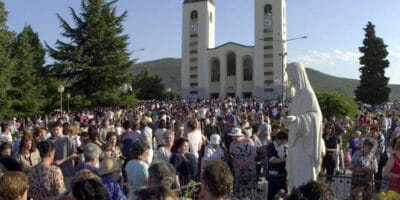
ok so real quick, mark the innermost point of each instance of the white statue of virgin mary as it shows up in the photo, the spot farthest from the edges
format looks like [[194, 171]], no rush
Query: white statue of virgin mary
[[306, 146]]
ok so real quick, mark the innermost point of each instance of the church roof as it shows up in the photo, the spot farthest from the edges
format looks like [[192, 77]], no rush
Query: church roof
[[230, 43], [193, 1]]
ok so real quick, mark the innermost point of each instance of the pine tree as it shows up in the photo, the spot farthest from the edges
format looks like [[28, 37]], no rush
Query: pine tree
[[6, 65], [27, 82], [373, 88], [95, 61]]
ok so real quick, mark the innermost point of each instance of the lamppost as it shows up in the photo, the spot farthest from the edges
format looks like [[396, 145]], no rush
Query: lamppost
[[283, 54], [68, 95], [142, 49], [60, 89]]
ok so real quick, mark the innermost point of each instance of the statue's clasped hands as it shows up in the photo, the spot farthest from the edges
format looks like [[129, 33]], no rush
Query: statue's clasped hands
[[289, 119]]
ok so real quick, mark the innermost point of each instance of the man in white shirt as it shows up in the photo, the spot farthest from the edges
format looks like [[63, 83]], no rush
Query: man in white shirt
[[195, 137], [202, 112]]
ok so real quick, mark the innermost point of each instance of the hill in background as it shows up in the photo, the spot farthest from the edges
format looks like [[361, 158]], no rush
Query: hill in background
[[169, 70]]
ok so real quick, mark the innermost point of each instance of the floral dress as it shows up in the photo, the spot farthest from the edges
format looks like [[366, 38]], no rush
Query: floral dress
[[245, 179], [45, 181]]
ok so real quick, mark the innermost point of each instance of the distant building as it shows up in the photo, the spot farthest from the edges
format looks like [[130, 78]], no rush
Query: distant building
[[233, 69]]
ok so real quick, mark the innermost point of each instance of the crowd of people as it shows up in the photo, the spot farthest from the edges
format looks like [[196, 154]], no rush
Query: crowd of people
[[160, 146]]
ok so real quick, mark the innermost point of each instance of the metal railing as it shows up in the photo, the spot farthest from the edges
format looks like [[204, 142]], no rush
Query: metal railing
[[256, 188], [344, 186]]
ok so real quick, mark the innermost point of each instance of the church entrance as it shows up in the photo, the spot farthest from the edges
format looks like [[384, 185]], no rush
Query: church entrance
[[231, 94], [214, 95], [247, 95]]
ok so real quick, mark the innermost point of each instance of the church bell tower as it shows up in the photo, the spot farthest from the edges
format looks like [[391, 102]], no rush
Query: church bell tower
[[198, 34], [270, 47]]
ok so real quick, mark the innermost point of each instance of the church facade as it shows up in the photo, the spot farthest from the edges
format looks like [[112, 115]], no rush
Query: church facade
[[231, 69]]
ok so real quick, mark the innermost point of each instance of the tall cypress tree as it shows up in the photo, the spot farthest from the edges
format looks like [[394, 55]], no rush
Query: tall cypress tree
[[27, 83], [373, 88], [6, 65], [95, 60]]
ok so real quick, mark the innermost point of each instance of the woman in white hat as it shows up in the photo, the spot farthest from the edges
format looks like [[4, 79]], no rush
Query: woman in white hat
[[213, 151], [243, 152]]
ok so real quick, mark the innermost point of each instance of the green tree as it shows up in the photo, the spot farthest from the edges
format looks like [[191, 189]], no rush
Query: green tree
[[6, 65], [27, 83], [373, 88], [148, 86], [95, 61], [336, 103]]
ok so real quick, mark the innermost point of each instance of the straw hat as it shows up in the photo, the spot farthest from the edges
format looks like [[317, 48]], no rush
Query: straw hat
[[236, 132], [109, 165]]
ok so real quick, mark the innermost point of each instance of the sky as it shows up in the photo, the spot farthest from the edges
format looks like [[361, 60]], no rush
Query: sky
[[334, 29]]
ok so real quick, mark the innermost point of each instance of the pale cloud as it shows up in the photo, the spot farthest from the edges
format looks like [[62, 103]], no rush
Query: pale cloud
[[394, 54], [327, 58], [346, 56], [344, 63]]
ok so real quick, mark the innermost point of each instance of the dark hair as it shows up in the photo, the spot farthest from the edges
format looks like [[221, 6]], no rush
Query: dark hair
[[93, 132], [155, 193], [37, 131], [369, 142], [178, 124], [331, 126], [135, 125], [4, 126], [107, 147], [162, 124], [89, 189], [25, 139], [10, 163], [45, 147], [110, 134], [281, 135], [143, 123], [65, 128], [91, 121], [4, 146], [312, 190], [255, 128], [138, 148], [375, 128], [127, 125], [58, 124], [178, 144], [218, 178], [275, 127]]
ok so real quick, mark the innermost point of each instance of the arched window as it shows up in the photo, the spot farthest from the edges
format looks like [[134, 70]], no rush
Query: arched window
[[268, 9], [215, 67], [211, 17], [231, 63], [193, 15], [247, 68]]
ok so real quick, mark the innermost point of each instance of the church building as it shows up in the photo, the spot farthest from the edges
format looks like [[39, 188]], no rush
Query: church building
[[233, 69]]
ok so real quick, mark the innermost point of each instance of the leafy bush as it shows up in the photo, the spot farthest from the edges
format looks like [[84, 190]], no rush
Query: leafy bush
[[336, 104]]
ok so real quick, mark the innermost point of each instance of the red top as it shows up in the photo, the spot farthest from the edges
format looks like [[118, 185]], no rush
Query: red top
[[394, 183]]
